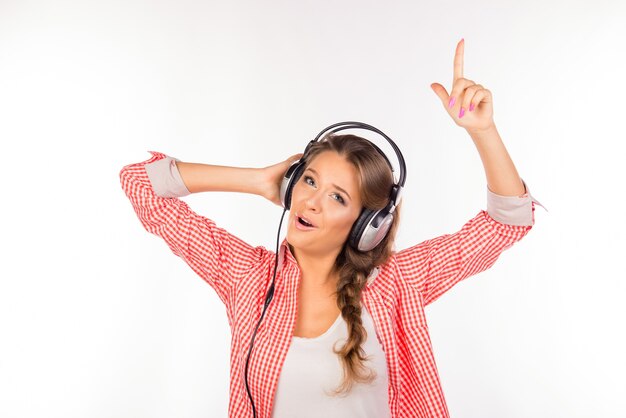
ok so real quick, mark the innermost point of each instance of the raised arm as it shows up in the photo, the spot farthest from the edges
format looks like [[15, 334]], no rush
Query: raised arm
[[434, 266], [466, 95], [198, 177], [154, 187]]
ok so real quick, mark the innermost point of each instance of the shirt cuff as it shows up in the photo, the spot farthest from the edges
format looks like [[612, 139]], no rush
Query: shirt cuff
[[512, 210], [165, 178]]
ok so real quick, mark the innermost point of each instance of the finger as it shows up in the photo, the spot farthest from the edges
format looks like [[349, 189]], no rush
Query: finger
[[458, 90], [481, 96], [440, 91], [458, 61], [288, 162], [469, 97], [295, 157]]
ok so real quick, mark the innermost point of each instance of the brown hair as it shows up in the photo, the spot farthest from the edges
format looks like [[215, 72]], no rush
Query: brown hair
[[375, 180]]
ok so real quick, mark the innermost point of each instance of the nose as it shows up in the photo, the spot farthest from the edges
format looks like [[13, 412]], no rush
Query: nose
[[312, 202]]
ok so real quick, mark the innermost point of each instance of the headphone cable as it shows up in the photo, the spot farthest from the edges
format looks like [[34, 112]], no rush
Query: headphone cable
[[268, 299]]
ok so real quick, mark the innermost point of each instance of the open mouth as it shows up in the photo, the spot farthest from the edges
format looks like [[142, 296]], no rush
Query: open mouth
[[304, 222]]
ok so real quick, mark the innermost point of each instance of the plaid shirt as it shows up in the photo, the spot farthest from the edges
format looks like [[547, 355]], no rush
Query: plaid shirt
[[395, 294]]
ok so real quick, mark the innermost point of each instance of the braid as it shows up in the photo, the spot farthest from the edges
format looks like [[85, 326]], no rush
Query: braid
[[349, 287], [353, 266]]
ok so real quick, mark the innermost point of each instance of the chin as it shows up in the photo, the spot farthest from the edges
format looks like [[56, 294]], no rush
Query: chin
[[311, 245], [298, 241]]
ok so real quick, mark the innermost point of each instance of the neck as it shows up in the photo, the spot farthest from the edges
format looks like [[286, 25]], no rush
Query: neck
[[318, 270]]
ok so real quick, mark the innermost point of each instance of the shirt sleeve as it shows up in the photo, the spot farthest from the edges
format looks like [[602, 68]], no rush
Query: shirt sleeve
[[435, 265], [217, 256], [512, 210]]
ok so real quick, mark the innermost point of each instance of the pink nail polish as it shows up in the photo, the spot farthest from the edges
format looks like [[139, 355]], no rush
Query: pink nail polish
[[461, 113], [471, 107], [451, 103]]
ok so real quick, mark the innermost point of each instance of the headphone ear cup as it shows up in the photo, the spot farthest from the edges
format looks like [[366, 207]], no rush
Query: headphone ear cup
[[370, 229], [290, 179], [359, 226]]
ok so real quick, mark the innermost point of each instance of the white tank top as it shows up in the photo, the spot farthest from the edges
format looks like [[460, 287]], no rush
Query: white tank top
[[311, 367]]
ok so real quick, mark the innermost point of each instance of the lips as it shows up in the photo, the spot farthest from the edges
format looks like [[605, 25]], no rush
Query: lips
[[303, 222]]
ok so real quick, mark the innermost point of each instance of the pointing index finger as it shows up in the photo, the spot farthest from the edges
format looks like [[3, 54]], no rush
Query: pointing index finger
[[458, 61]]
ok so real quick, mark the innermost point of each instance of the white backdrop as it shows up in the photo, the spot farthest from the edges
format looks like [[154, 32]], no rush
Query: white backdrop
[[99, 319]]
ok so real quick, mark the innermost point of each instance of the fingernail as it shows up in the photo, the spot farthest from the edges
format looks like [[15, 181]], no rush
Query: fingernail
[[461, 113], [471, 107], [452, 100]]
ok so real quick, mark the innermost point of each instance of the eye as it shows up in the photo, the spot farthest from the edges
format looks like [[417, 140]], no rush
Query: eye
[[306, 180], [339, 198]]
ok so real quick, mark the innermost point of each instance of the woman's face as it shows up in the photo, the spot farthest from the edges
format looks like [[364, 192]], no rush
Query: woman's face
[[326, 196]]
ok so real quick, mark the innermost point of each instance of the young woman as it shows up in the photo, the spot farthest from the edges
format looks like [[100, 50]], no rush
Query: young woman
[[345, 334]]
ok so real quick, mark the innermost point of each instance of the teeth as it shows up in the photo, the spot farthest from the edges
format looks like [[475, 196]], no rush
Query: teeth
[[304, 222]]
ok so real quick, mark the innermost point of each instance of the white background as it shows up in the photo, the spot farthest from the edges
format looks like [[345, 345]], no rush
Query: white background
[[99, 319]]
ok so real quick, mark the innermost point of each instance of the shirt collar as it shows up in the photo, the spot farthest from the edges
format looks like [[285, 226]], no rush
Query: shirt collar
[[284, 253]]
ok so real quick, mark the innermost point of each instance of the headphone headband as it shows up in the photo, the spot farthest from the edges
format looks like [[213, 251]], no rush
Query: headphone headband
[[340, 126]]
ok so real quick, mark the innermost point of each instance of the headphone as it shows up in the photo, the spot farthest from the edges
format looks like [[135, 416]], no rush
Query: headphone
[[368, 230], [371, 226]]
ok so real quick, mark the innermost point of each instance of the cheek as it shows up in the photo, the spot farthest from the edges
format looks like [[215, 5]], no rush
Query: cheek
[[298, 191], [343, 219]]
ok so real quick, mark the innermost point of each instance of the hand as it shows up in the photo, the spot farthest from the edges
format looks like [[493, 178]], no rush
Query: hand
[[273, 176], [472, 104]]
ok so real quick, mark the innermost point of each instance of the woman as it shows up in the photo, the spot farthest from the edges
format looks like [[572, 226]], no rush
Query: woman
[[314, 352]]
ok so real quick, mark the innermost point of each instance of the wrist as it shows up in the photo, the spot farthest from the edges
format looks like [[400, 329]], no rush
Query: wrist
[[258, 181], [481, 133]]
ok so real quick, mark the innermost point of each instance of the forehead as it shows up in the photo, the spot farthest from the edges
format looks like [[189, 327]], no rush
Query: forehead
[[333, 168]]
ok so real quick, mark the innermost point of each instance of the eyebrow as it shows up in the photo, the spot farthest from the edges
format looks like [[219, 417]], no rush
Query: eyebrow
[[334, 185]]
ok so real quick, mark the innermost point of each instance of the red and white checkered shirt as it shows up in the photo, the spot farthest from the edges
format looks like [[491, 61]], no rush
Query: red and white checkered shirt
[[395, 295]]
